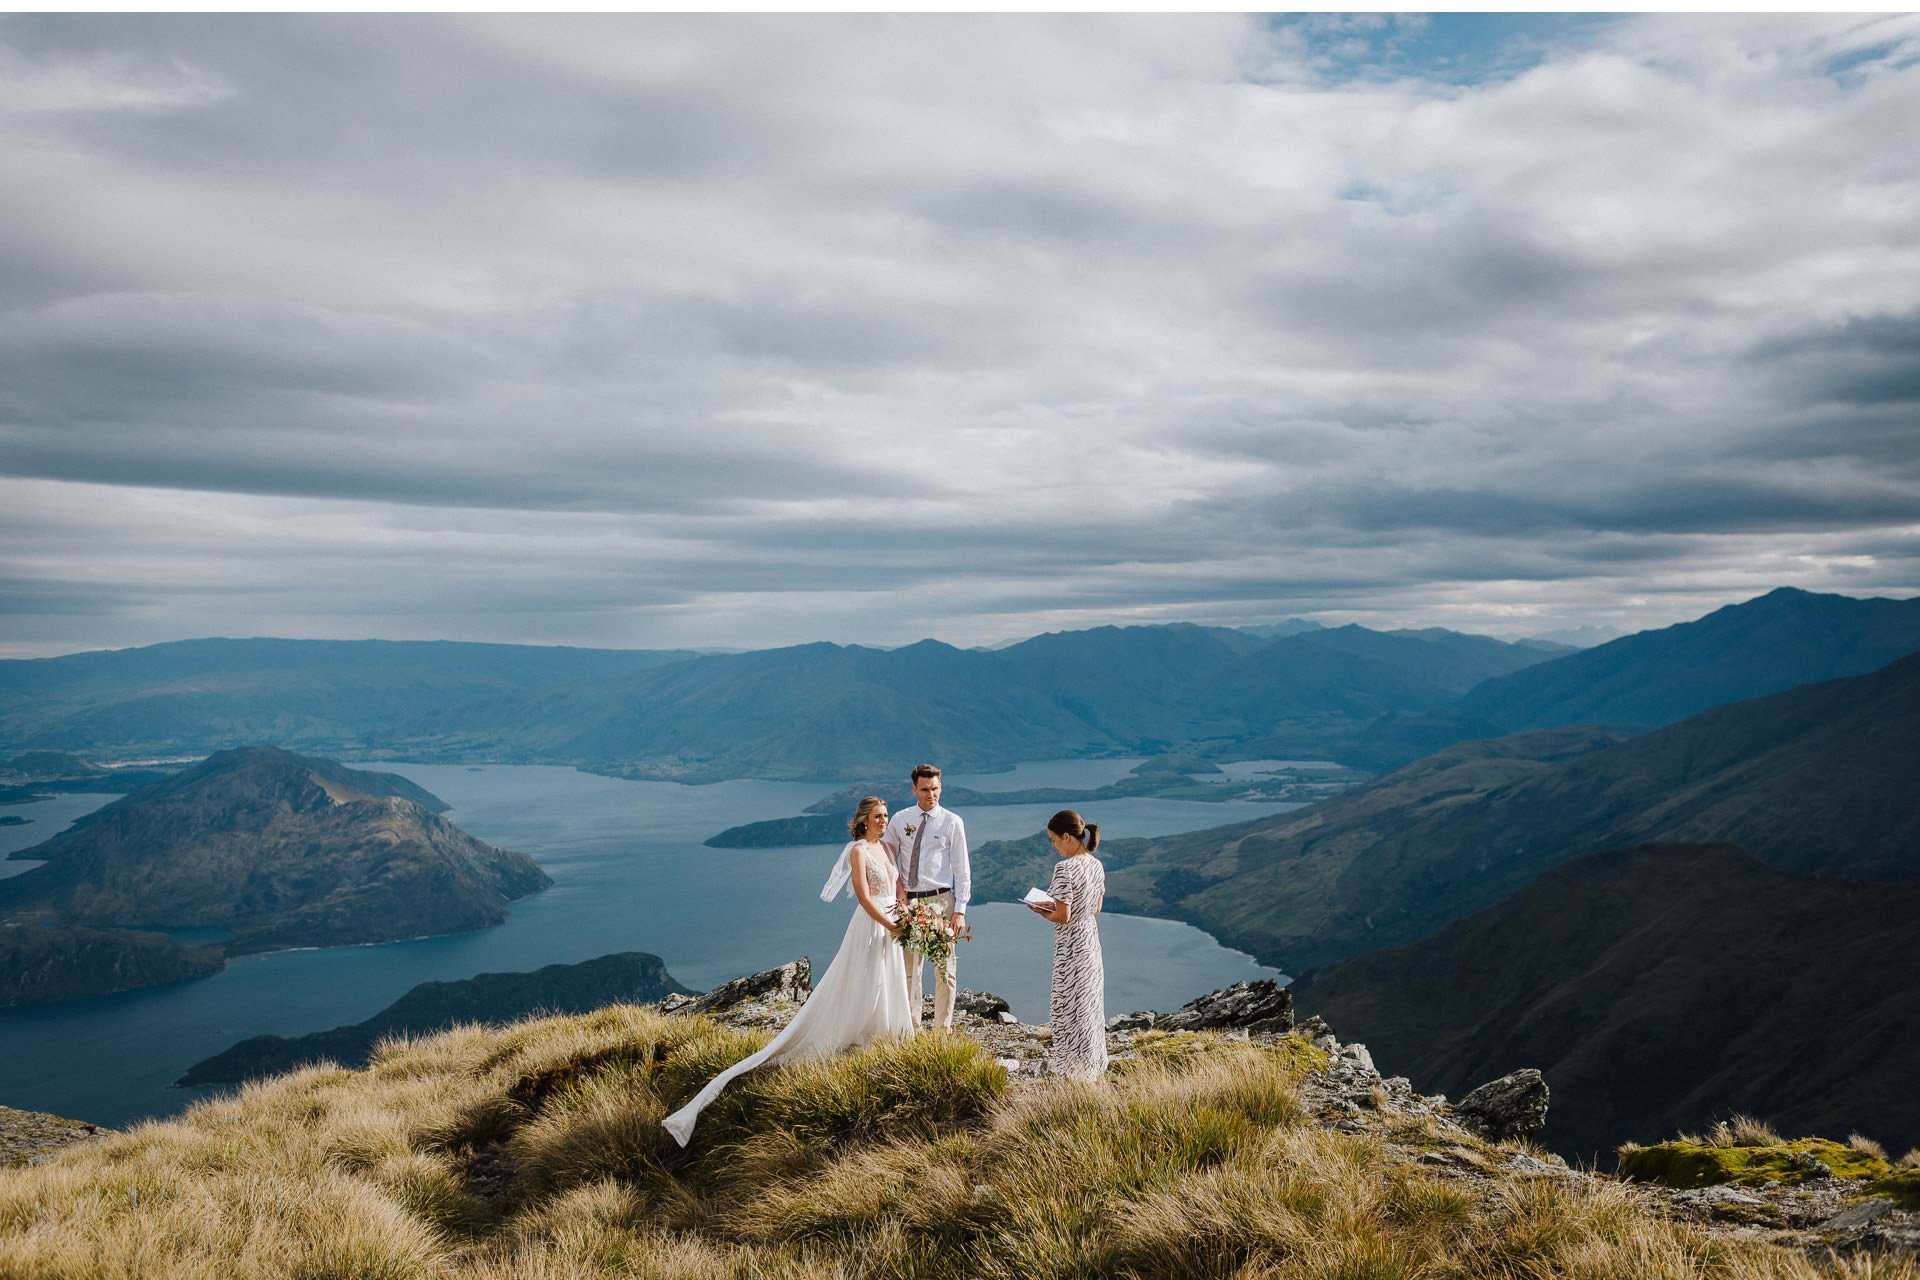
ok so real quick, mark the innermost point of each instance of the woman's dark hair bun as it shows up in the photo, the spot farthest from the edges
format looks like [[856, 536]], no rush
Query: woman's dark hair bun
[[1068, 823]]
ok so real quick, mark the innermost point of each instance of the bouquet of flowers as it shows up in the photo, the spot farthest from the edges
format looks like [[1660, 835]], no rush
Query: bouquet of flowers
[[924, 931]]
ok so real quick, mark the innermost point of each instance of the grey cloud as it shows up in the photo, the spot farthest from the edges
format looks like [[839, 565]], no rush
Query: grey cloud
[[635, 321], [1866, 360]]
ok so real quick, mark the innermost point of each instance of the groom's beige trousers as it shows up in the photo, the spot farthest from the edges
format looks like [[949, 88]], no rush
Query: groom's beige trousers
[[945, 976]]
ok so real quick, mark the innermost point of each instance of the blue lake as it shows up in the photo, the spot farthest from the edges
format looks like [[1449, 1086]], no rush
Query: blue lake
[[629, 874]]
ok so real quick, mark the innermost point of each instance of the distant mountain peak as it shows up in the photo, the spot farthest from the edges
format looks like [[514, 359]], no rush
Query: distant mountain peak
[[1773, 642]]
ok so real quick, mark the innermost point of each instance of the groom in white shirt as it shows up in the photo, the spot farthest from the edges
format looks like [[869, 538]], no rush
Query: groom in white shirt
[[929, 847]]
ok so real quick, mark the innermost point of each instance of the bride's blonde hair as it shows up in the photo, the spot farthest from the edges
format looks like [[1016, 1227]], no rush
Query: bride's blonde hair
[[857, 828]]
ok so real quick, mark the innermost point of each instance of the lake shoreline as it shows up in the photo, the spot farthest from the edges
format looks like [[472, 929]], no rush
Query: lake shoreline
[[629, 874]]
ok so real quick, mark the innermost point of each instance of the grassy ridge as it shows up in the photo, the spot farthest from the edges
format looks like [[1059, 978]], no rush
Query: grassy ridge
[[535, 1153]]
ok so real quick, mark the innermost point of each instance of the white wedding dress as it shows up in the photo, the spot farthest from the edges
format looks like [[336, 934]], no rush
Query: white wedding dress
[[862, 997]]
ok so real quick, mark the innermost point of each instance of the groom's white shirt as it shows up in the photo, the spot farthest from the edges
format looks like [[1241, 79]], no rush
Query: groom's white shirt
[[943, 852]]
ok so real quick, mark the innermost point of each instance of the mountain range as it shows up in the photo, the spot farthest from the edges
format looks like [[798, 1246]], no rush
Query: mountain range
[[195, 696], [1816, 780], [1373, 699], [1772, 643], [802, 711]]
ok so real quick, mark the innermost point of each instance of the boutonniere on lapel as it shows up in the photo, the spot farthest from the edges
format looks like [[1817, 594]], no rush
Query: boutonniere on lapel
[[909, 828]]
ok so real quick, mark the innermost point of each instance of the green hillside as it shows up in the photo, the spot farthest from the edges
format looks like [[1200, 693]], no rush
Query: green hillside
[[1817, 779]]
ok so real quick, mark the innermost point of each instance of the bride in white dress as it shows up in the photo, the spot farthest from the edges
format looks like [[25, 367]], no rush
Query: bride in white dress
[[864, 993]]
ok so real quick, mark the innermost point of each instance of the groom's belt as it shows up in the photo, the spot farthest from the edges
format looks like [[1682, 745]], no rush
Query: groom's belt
[[928, 893]]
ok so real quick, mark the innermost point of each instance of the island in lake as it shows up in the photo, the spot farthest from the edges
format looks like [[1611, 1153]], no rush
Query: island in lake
[[1162, 778], [264, 848]]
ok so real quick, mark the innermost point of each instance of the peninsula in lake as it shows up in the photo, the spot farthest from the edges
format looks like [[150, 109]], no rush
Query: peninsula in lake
[[630, 977], [265, 849]]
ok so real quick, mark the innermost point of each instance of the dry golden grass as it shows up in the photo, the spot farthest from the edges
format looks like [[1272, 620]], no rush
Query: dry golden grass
[[1740, 1131], [535, 1153], [1867, 1146]]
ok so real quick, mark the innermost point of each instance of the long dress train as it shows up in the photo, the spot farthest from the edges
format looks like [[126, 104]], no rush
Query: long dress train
[[862, 997]]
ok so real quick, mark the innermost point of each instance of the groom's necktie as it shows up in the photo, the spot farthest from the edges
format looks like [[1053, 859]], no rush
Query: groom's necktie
[[913, 864]]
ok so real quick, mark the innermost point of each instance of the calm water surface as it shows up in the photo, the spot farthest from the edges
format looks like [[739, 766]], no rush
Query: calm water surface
[[629, 875]]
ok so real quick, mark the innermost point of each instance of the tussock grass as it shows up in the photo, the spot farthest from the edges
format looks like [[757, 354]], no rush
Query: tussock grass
[[1742, 1131], [535, 1153], [1867, 1146]]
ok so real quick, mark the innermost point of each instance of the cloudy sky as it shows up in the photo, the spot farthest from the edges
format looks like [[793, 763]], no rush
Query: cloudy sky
[[732, 331]]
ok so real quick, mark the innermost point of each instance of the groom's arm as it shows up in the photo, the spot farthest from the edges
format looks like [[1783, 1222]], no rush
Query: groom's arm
[[890, 841]]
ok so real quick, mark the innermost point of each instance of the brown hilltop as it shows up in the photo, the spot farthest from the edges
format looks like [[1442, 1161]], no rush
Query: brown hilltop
[[279, 849]]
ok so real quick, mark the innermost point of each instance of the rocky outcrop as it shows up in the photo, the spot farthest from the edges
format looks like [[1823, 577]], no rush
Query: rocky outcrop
[[1261, 1005], [791, 982], [983, 1004], [1345, 1092], [29, 1137], [1514, 1106]]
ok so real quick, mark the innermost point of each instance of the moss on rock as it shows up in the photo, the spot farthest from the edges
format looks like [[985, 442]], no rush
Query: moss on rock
[[1688, 1163], [1902, 1186]]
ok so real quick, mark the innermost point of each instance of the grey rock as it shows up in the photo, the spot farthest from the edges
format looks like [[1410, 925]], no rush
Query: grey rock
[[1315, 1027], [1808, 1163], [1893, 1239], [1261, 1005], [1859, 1215], [1514, 1106], [1141, 1021], [676, 1001], [1007, 1019], [981, 1004], [791, 981], [1357, 1054]]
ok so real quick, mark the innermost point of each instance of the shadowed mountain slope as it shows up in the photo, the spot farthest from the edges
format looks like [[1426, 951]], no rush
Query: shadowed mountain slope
[[1660, 988], [281, 850], [1774, 642], [39, 966], [1817, 779]]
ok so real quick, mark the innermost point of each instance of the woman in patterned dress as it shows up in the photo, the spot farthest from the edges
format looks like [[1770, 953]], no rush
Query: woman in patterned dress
[[1078, 1010]]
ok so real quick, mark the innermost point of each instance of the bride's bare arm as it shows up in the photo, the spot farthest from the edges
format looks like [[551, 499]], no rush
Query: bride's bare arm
[[858, 855]]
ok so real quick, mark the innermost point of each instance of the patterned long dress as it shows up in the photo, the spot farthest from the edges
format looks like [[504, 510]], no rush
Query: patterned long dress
[[1078, 1009]]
